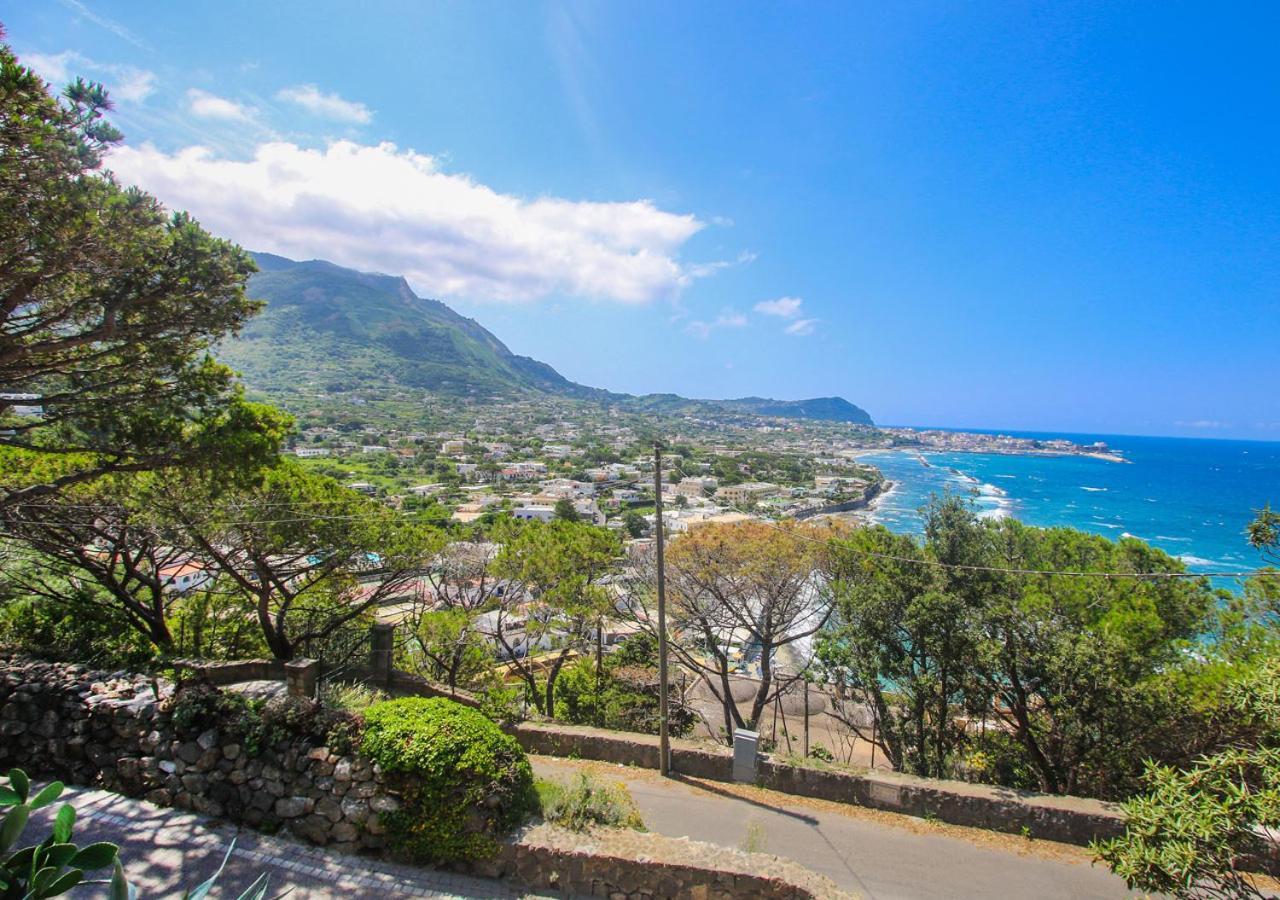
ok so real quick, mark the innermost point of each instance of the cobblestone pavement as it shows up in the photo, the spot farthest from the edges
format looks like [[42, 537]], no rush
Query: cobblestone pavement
[[166, 851]]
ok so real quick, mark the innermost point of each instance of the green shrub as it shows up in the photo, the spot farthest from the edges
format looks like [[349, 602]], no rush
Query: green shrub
[[581, 801], [996, 757], [80, 629], [624, 699], [501, 702], [463, 781], [258, 725]]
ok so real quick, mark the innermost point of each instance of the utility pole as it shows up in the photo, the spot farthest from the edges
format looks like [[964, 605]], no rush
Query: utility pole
[[806, 714], [664, 738]]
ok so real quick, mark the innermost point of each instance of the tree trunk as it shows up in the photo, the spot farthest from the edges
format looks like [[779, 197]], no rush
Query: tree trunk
[[766, 682], [552, 675]]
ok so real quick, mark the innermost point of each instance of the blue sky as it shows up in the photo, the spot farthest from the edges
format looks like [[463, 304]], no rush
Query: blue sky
[[1038, 216]]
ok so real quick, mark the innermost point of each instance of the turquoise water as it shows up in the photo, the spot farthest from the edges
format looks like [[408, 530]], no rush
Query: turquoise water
[[1191, 498]]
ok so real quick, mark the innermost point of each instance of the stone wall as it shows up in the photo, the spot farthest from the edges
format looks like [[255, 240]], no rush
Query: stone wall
[[621, 864], [1073, 820], [624, 747], [108, 731]]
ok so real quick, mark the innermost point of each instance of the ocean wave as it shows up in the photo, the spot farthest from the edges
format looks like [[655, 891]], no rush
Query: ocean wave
[[1107, 525], [1004, 476], [1003, 511], [1168, 537], [1093, 489], [1215, 563]]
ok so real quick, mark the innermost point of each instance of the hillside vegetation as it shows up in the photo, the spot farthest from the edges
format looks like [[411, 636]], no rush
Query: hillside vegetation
[[332, 330]]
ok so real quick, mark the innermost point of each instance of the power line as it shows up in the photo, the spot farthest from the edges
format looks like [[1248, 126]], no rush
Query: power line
[[889, 557]]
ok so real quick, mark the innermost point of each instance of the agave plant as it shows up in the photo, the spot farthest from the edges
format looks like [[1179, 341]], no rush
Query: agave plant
[[55, 865]]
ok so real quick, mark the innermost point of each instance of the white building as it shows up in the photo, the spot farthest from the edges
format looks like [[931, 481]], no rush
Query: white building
[[534, 513], [184, 576]]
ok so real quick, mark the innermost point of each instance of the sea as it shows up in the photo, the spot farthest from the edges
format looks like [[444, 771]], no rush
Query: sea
[[1190, 497]]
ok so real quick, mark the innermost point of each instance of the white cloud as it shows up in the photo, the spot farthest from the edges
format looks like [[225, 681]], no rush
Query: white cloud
[[801, 327], [728, 318], [127, 83], [103, 22], [377, 207], [785, 307], [706, 270], [133, 85], [54, 67], [330, 106], [211, 106]]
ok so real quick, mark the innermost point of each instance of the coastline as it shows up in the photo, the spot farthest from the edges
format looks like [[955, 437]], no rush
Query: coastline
[[862, 511], [862, 505], [1000, 451]]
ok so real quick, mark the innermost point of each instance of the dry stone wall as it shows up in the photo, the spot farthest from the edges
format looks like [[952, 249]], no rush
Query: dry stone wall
[[620, 864], [108, 730]]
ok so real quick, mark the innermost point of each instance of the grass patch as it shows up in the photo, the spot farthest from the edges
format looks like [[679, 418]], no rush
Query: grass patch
[[350, 697], [581, 801], [754, 840]]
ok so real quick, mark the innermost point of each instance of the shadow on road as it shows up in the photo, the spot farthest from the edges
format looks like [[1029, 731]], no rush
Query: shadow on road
[[703, 786]]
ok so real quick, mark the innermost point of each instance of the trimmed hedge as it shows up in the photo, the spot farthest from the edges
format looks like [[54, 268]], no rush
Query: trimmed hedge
[[464, 782]]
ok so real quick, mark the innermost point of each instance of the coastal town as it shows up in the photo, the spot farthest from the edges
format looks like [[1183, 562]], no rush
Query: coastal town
[[597, 463], [313, 585]]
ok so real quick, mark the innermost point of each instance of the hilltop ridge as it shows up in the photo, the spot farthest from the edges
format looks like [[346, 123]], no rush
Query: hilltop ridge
[[340, 330]]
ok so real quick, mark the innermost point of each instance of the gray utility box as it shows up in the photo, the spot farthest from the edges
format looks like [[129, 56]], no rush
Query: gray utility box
[[746, 745]]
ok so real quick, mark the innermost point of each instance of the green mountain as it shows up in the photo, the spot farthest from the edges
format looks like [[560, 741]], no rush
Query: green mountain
[[335, 330], [826, 409]]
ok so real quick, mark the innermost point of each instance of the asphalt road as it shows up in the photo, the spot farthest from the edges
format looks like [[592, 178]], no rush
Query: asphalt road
[[882, 856]]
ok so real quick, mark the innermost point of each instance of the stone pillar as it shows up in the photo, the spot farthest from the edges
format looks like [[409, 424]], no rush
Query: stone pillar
[[381, 649], [745, 746], [300, 677]]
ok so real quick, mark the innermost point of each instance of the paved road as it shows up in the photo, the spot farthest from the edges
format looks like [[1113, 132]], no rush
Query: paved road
[[166, 851], [881, 855]]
